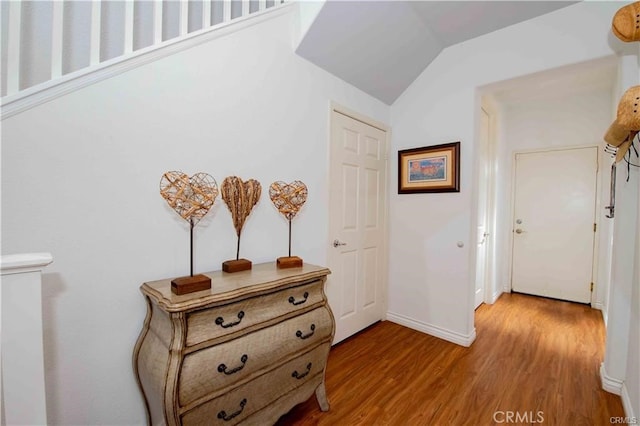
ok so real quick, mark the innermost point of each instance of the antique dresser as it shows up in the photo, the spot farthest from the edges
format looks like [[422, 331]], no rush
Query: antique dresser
[[246, 351]]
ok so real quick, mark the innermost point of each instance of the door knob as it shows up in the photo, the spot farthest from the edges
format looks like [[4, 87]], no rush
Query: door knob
[[519, 231], [337, 243]]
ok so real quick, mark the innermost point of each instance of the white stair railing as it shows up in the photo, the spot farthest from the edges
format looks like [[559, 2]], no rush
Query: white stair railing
[[22, 383], [47, 43]]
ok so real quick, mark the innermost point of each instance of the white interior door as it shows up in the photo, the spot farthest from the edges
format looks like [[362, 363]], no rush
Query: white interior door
[[553, 224], [357, 224], [484, 177]]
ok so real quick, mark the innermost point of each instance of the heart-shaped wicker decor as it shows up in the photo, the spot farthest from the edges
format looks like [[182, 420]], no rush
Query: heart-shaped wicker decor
[[191, 197], [288, 197], [240, 198]]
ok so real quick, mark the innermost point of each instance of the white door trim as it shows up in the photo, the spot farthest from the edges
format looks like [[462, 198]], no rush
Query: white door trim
[[334, 106], [596, 258]]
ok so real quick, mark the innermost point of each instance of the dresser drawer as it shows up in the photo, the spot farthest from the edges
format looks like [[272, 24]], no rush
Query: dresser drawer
[[238, 404], [218, 367], [221, 320]]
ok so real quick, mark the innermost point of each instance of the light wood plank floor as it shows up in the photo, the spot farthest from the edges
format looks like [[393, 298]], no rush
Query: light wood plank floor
[[531, 355]]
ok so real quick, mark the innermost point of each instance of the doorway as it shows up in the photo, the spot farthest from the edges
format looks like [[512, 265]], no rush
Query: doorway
[[554, 223], [486, 211], [357, 257]]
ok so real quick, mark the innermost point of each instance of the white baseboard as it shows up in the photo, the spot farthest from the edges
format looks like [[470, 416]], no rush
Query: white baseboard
[[610, 384], [433, 330], [629, 413], [494, 297], [600, 307], [626, 403], [618, 387]]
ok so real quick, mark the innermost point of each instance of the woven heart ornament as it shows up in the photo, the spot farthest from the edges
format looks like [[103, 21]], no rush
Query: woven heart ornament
[[240, 198], [288, 197], [191, 197]]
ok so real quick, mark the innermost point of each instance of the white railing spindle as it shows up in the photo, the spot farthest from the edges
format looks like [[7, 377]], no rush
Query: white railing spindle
[[157, 21], [183, 27], [96, 16], [226, 10], [128, 26], [57, 24], [13, 47], [206, 14], [18, 95]]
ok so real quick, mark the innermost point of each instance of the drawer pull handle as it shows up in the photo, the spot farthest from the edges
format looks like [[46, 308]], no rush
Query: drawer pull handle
[[220, 321], [223, 368], [299, 376], [293, 301], [223, 414], [306, 336]]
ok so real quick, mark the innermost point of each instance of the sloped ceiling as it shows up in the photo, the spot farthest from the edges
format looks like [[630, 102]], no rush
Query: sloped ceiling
[[382, 46]]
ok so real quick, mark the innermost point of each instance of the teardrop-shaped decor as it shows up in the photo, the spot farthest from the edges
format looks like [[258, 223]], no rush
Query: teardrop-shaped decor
[[240, 197]]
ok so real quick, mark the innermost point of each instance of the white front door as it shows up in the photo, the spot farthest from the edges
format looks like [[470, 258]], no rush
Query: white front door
[[554, 223], [356, 288]]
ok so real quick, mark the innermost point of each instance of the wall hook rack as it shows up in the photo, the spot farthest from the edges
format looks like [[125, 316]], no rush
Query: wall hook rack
[[612, 193]]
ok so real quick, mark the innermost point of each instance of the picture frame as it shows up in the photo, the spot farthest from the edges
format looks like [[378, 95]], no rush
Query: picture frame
[[433, 168]]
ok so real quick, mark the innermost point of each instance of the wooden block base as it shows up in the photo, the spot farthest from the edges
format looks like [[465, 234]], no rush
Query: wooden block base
[[192, 284], [289, 262], [236, 265]]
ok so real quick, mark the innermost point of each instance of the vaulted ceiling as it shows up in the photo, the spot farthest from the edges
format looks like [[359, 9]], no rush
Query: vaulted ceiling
[[382, 46]]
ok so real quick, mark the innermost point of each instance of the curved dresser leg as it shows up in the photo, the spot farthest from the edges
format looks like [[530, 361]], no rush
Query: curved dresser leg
[[321, 396], [136, 353]]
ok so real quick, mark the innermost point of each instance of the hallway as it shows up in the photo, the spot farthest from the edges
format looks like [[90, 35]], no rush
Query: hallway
[[534, 358]]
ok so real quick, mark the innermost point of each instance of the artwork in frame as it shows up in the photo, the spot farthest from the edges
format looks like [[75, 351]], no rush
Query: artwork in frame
[[429, 169]]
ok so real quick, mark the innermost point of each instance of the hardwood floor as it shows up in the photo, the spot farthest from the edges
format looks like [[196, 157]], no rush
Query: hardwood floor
[[536, 358]]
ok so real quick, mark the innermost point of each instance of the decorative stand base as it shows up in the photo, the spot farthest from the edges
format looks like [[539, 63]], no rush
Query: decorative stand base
[[289, 262], [236, 265], [192, 284]]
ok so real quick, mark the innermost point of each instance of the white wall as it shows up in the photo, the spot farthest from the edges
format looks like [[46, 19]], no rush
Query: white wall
[[631, 388], [622, 357], [621, 311], [430, 278], [80, 178]]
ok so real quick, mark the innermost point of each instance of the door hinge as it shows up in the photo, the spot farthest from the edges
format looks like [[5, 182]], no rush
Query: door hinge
[[591, 287], [594, 227]]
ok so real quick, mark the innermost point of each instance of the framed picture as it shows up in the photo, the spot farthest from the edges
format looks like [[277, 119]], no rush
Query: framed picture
[[429, 169]]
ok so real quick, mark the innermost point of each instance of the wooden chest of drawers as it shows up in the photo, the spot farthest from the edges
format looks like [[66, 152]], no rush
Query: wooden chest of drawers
[[246, 351]]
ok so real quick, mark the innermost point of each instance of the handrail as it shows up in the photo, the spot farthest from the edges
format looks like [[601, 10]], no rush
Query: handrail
[[142, 28]]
